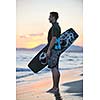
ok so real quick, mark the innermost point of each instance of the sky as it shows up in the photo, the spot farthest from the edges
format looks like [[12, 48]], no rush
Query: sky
[[32, 22]]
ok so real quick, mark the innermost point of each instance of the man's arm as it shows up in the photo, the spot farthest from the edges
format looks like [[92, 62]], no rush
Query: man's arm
[[51, 45]]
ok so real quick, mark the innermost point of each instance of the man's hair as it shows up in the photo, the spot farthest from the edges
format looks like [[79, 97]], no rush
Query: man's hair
[[54, 14]]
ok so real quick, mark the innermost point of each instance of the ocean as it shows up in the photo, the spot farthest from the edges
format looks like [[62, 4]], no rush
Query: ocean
[[24, 75]]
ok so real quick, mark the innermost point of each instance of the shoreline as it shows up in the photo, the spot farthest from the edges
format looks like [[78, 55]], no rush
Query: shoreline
[[70, 87]]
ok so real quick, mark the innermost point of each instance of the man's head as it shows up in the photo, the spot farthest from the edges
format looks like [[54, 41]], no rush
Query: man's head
[[53, 17]]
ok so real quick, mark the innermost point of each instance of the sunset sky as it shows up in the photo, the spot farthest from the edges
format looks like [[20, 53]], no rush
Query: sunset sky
[[32, 23]]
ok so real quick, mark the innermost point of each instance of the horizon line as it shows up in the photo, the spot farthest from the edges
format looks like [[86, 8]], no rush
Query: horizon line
[[41, 44]]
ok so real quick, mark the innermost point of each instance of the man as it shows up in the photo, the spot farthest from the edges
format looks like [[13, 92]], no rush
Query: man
[[53, 51]]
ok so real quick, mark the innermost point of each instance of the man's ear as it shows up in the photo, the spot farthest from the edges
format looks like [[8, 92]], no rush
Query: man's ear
[[53, 18]]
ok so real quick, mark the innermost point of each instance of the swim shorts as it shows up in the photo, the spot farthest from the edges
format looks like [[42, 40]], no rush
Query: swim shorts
[[53, 60]]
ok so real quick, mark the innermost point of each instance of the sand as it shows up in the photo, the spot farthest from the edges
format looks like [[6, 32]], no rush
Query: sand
[[71, 88]]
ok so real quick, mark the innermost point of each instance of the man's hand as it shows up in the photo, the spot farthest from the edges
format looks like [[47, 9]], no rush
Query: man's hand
[[48, 53]]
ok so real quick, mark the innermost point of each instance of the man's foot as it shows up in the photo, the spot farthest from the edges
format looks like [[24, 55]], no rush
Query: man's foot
[[53, 90]]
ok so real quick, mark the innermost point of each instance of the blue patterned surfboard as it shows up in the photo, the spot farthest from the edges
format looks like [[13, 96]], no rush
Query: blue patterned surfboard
[[66, 39]]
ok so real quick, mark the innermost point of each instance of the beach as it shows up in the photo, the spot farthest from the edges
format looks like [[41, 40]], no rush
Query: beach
[[71, 87], [31, 86]]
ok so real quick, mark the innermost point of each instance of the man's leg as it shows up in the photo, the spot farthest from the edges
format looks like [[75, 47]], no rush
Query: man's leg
[[56, 77], [55, 72]]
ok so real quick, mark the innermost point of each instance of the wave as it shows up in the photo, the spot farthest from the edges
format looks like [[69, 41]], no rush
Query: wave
[[70, 68], [70, 59], [22, 76], [19, 81], [22, 69]]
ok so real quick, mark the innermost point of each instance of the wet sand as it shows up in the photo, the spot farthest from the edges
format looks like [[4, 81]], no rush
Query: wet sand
[[71, 88]]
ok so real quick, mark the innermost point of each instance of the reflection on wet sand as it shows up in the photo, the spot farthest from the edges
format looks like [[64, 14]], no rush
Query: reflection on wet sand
[[58, 96]]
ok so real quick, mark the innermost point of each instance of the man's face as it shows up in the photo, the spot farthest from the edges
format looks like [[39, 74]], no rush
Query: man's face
[[51, 18]]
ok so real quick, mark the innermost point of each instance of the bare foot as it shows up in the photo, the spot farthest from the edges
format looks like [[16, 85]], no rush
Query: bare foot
[[53, 90]]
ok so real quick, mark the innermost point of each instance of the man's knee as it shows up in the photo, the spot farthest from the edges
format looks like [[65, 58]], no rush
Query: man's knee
[[55, 69]]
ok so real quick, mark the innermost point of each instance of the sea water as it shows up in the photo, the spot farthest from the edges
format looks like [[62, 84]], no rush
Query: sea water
[[24, 75]]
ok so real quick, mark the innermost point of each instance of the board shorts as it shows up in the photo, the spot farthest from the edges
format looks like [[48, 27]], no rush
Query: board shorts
[[53, 60]]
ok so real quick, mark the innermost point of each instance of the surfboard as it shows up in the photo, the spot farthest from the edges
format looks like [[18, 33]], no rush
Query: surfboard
[[66, 39]]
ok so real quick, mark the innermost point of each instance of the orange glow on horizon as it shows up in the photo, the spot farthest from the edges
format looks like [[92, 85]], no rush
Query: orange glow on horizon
[[25, 41], [32, 23]]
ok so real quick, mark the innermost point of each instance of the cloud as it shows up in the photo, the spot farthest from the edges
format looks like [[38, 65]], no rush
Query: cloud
[[24, 36], [38, 34]]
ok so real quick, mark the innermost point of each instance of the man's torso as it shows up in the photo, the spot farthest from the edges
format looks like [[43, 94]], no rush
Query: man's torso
[[55, 30]]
